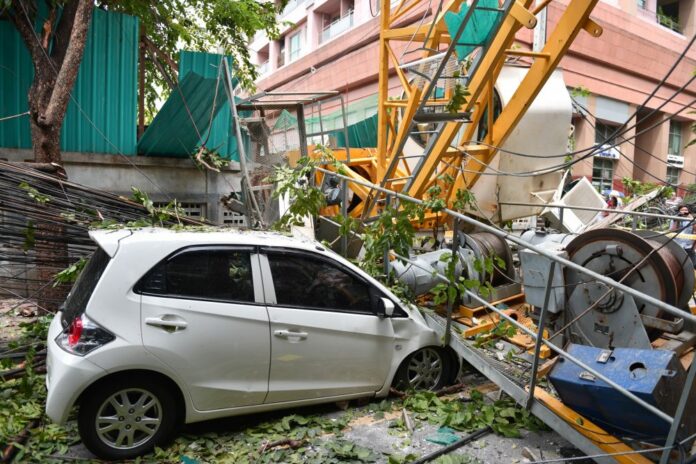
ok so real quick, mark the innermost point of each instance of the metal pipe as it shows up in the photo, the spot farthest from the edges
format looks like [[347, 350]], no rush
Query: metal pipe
[[422, 60], [672, 435], [540, 335], [240, 142], [599, 210], [321, 124], [457, 444], [385, 258], [601, 455], [450, 301], [518, 241], [326, 93], [344, 184]]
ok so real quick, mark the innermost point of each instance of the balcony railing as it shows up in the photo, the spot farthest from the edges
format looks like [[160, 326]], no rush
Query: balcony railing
[[339, 26], [262, 68]]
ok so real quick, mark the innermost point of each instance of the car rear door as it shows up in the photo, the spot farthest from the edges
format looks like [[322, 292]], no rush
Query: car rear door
[[202, 314], [325, 339]]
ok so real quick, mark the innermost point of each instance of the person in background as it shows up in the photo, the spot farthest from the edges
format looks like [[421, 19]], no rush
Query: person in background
[[613, 202], [685, 226]]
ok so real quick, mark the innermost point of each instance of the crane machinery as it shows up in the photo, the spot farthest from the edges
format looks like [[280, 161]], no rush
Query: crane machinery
[[463, 53], [604, 314]]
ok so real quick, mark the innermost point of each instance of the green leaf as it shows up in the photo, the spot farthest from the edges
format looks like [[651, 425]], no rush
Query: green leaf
[[29, 236]]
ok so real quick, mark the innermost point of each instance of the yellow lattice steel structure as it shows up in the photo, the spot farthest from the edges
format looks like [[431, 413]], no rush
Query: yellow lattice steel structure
[[452, 148]]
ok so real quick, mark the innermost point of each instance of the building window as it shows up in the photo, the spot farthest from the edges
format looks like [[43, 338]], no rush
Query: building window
[[295, 45], [673, 175], [668, 14], [602, 173], [641, 4], [674, 145], [604, 133], [281, 54]]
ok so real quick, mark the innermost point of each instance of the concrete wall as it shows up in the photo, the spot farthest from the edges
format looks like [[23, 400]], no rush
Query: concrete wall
[[163, 179]]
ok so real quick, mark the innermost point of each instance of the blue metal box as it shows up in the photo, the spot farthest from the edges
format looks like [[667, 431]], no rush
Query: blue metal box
[[655, 376]]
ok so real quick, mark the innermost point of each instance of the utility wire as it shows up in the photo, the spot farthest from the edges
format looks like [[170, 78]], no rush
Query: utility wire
[[591, 152], [14, 116], [620, 130]]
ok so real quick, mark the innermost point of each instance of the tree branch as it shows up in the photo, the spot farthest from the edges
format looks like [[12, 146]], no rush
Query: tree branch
[[61, 39], [21, 20], [67, 73], [48, 28], [156, 52]]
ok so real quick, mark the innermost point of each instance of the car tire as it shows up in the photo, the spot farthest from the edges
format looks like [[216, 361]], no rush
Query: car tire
[[429, 368], [127, 417]]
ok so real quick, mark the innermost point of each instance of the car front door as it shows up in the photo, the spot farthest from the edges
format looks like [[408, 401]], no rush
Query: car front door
[[326, 341], [202, 316]]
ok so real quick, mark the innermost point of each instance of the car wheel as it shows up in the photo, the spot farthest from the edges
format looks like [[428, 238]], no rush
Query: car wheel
[[127, 418], [426, 369]]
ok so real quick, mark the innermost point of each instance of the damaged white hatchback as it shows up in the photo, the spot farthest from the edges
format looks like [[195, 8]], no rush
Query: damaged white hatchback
[[165, 327]]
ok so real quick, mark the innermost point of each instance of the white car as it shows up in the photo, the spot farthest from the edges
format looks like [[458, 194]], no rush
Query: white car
[[165, 327]]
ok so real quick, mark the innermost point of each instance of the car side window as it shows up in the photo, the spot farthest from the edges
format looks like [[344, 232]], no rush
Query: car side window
[[215, 274], [303, 281]]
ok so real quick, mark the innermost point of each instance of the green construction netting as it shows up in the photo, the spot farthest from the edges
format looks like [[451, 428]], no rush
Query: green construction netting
[[481, 24], [285, 121], [361, 117]]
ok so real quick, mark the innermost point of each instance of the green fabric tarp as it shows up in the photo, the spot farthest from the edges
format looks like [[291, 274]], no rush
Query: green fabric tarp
[[196, 112], [362, 134], [481, 23]]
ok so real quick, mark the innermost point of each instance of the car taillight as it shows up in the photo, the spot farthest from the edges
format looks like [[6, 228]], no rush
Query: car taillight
[[82, 336], [75, 331]]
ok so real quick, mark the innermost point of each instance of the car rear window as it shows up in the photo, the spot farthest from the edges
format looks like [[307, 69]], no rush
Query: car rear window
[[209, 274], [76, 303]]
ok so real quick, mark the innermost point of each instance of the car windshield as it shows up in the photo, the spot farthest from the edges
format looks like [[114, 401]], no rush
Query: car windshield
[[78, 297]]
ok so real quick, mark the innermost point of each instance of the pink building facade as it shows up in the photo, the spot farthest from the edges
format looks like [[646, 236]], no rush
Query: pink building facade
[[332, 45]]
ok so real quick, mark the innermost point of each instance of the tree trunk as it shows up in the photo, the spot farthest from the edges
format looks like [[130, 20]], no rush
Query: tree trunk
[[56, 58], [45, 139]]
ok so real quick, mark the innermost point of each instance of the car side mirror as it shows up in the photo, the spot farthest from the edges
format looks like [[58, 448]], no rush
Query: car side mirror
[[385, 307]]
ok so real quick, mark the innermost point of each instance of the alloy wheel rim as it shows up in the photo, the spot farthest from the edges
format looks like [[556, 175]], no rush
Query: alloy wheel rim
[[425, 369], [128, 418]]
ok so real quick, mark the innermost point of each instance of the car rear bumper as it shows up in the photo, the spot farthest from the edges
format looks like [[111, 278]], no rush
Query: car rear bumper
[[67, 376]]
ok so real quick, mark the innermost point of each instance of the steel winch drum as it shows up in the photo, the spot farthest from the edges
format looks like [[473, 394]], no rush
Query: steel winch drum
[[664, 270], [488, 245], [422, 276]]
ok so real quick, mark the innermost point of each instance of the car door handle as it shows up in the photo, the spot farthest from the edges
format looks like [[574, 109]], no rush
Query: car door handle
[[168, 322], [289, 334]]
